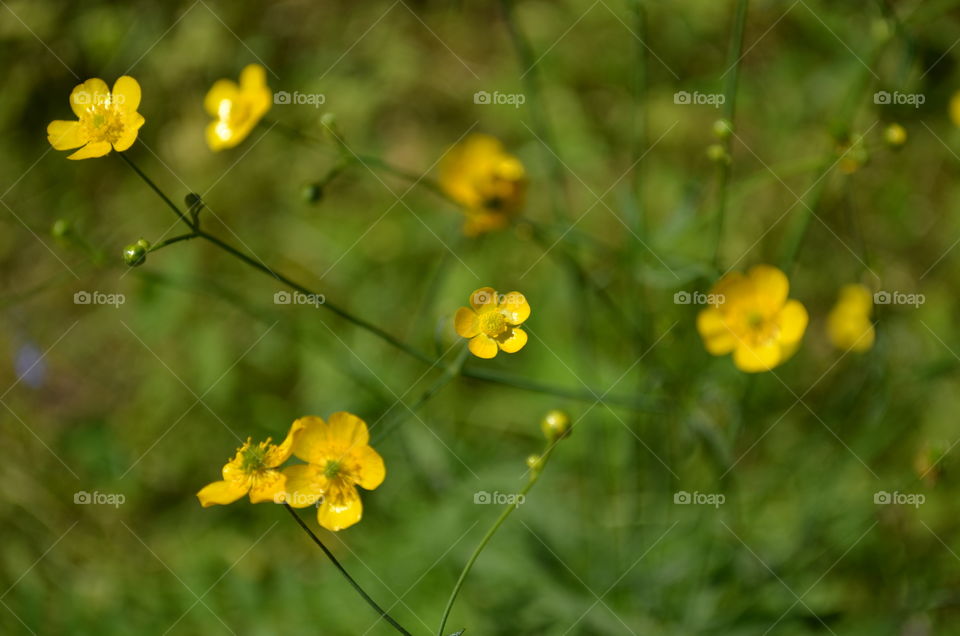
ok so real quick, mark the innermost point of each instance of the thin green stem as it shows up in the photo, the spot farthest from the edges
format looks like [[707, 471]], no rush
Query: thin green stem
[[366, 597], [507, 511], [730, 106], [173, 239]]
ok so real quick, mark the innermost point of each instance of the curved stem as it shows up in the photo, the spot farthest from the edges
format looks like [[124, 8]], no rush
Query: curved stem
[[508, 509], [366, 597]]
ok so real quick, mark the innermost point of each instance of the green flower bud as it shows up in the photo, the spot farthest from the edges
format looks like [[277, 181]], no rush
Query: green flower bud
[[555, 425], [312, 192], [136, 254], [717, 153], [193, 199], [61, 229], [722, 128]]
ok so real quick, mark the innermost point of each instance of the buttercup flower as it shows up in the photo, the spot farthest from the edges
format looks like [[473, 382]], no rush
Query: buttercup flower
[[236, 109], [105, 119], [339, 459], [253, 471], [489, 183], [753, 319], [493, 323], [848, 323]]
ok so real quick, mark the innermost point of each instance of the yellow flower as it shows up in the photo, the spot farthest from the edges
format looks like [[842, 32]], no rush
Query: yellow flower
[[105, 119], [489, 183], [955, 108], [753, 319], [253, 471], [236, 109], [848, 323], [339, 458], [493, 323]]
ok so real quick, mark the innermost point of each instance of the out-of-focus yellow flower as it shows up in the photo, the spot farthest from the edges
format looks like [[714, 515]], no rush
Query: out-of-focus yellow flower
[[955, 108], [105, 119], [339, 458], [489, 182], [253, 471], [753, 319], [236, 109], [895, 135], [848, 323], [492, 322]]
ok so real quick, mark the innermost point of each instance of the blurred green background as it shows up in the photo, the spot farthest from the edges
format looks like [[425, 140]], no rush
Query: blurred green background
[[148, 399]]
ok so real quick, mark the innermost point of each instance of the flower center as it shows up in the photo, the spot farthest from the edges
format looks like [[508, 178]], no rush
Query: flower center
[[103, 122], [332, 469], [252, 457], [493, 323]]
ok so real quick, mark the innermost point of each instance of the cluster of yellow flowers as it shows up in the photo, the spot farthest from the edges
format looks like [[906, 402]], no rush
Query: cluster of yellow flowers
[[338, 458], [754, 319]]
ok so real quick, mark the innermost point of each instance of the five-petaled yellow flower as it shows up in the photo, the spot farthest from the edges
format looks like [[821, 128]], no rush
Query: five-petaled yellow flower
[[339, 458], [253, 470], [493, 323], [489, 183], [236, 109], [848, 323], [754, 319], [105, 119]]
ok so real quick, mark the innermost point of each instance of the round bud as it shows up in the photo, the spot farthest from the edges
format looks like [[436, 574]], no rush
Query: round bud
[[722, 128], [135, 254], [191, 200], [555, 425], [534, 462], [717, 153], [895, 135], [312, 192], [61, 229]]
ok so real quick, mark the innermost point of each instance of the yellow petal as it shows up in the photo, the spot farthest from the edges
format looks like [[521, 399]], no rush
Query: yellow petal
[[792, 321], [218, 135], [483, 299], [126, 94], [348, 430], [252, 77], [89, 151], [269, 485], [856, 298], [131, 125], [754, 359], [465, 323], [371, 470], [343, 432], [341, 512], [64, 135], [221, 493], [515, 308], [93, 91], [276, 455], [717, 338], [305, 485], [311, 443], [483, 346], [513, 340], [222, 90], [770, 286]]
